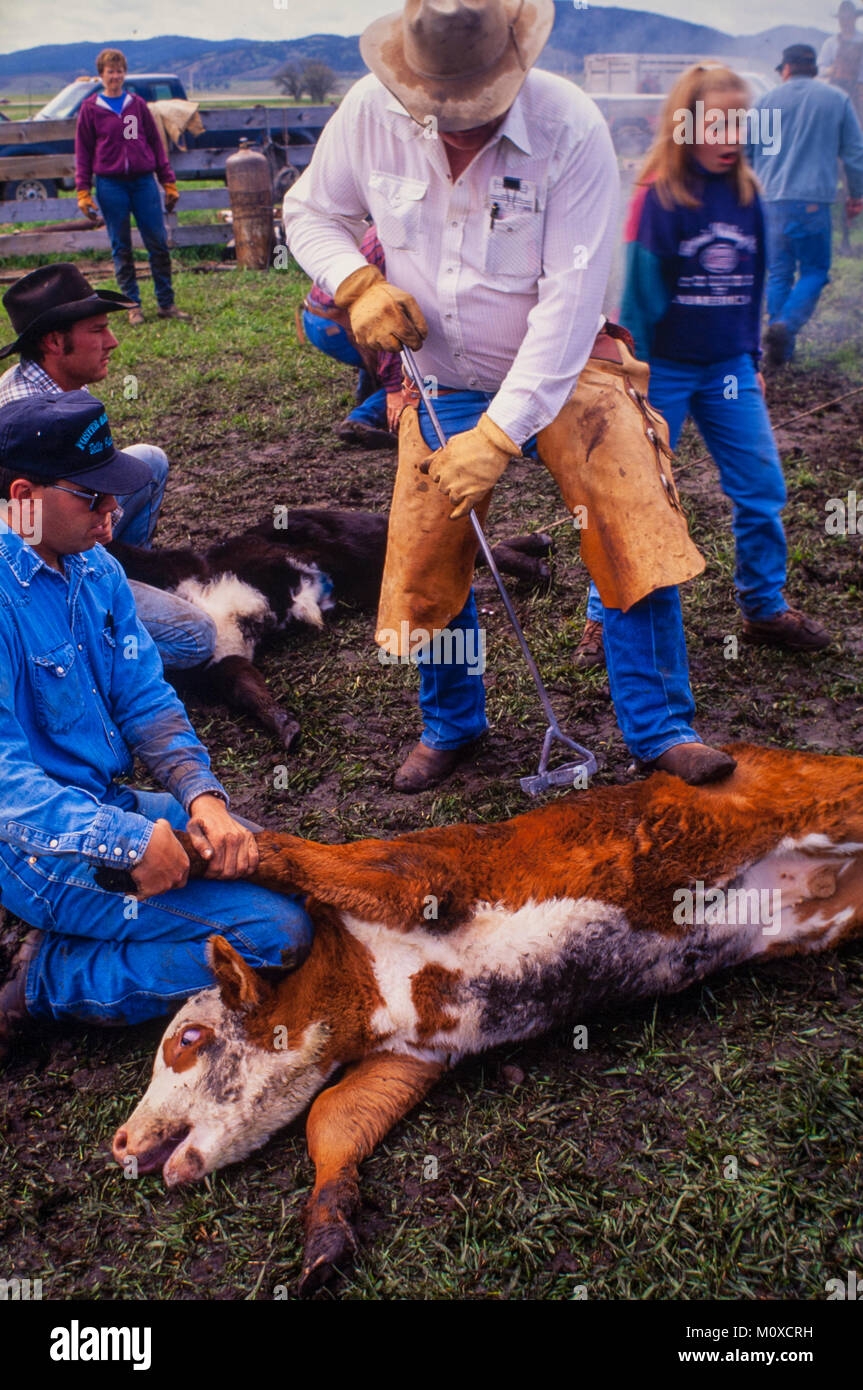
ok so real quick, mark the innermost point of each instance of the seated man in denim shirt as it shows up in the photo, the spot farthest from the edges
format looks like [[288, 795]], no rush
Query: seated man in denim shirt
[[81, 694], [65, 344]]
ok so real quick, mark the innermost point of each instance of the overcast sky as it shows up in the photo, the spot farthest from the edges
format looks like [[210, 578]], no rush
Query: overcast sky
[[28, 24]]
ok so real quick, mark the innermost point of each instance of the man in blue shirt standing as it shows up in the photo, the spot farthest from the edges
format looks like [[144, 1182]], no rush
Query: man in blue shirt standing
[[81, 695], [813, 125]]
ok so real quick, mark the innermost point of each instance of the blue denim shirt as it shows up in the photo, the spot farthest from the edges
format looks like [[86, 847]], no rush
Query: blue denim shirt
[[817, 126], [81, 692]]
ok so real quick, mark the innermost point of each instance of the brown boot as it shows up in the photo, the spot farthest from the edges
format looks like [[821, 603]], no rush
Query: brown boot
[[13, 1003], [590, 651], [358, 434], [136, 317], [695, 763], [173, 313], [791, 629], [424, 767]]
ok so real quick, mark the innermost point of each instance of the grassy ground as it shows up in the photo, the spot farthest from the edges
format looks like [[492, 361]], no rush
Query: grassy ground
[[540, 1169]]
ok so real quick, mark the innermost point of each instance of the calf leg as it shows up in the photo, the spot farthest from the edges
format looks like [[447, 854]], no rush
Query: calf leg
[[387, 881], [345, 1124], [236, 681], [518, 563]]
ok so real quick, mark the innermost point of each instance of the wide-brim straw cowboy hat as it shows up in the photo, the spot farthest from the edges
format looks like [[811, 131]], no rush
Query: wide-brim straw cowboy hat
[[460, 61]]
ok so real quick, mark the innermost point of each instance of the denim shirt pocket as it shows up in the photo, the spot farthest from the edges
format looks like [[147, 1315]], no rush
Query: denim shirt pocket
[[59, 698], [396, 205]]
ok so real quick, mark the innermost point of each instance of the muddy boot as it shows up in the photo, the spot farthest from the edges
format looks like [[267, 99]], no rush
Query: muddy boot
[[13, 1004], [590, 651], [424, 767], [791, 629], [695, 763]]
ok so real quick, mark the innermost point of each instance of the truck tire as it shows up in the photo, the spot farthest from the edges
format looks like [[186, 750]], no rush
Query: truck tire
[[285, 179], [631, 138], [25, 189]]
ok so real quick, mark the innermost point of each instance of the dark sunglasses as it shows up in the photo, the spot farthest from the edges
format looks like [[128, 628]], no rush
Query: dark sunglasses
[[94, 498]]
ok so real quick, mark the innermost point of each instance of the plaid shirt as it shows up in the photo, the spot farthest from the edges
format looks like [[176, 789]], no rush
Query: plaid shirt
[[27, 379]]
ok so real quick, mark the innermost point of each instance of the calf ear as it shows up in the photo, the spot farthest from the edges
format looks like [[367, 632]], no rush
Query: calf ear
[[238, 983]]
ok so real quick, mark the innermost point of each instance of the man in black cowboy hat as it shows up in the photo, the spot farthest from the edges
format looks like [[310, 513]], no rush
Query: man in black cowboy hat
[[65, 344], [816, 127]]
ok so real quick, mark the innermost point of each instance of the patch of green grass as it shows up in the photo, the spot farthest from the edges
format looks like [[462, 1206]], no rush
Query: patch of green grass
[[705, 1146]]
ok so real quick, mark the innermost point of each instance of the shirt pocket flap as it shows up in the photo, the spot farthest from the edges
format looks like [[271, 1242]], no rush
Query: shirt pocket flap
[[397, 189], [396, 204], [59, 659], [59, 699]]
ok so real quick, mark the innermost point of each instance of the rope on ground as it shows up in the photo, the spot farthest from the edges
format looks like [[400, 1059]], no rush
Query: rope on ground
[[703, 458]]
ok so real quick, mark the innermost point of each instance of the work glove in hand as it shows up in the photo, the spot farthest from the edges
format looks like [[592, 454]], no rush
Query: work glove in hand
[[382, 317], [470, 464], [87, 206], [172, 197]]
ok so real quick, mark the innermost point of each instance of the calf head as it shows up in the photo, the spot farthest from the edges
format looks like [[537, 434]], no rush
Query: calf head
[[227, 1075]]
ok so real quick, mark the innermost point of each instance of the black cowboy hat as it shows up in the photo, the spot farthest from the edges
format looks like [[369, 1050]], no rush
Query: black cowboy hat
[[52, 297]]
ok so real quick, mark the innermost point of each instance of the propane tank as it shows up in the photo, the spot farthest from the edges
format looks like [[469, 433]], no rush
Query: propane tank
[[250, 185]]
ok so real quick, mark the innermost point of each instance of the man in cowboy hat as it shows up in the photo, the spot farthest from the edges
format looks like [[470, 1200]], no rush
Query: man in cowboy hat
[[494, 191], [798, 176], [65, 344], [840, 61], [82, 693]]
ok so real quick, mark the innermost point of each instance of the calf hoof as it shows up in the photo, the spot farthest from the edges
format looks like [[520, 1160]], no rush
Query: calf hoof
[[534, 543], [329, 1249], [289, 733]]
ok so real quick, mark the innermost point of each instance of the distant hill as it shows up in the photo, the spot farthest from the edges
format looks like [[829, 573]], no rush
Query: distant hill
[[207, 65]]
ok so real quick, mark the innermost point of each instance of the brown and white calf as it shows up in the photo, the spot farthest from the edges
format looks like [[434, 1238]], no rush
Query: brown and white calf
[[444, 942]]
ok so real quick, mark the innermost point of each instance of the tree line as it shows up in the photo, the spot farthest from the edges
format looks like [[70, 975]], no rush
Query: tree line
[[314, 80]]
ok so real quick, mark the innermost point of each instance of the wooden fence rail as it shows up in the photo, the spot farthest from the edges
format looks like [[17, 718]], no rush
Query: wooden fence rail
[[280, 126], [44, 240]]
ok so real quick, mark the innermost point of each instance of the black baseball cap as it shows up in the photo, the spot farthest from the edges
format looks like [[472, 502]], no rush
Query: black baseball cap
[[799, 55], [68, 436]]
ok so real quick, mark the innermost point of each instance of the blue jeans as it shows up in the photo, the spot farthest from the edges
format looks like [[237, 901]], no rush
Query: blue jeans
[[111, 959], [645, 650], [798, 240], [184, 634], [141, 508], [334, 341], [120, 199], [736, 430]]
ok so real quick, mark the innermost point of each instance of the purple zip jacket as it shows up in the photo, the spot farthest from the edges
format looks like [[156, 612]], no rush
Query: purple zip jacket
[[117, 147]]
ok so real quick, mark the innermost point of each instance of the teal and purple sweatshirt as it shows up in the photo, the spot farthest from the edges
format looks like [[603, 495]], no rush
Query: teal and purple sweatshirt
[[694, 276]]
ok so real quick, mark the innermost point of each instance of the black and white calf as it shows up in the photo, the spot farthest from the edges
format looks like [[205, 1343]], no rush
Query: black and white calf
[[268, 578]]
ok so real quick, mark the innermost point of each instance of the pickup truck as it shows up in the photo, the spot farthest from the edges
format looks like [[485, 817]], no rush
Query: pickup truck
[[630, 90], [284, 130]]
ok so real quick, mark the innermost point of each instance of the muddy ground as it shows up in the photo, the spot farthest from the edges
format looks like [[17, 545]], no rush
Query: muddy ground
[[553, 1168]]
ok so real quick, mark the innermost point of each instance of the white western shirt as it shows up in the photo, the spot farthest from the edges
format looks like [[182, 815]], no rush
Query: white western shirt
[[510, 275]]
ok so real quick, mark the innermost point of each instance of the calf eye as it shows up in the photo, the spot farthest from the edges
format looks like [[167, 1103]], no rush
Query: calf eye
[[190, 1036]]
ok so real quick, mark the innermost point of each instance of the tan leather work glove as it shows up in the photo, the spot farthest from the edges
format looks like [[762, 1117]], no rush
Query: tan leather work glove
[[172, 196], [470, 464], [382, 317], [87, 206]]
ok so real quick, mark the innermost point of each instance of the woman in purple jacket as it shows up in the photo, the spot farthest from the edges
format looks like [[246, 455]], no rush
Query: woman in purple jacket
[[117, 140]]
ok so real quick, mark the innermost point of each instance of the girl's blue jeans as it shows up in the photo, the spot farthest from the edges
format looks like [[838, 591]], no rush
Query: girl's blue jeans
[[726, 403], [645, 649], [108, 958]]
